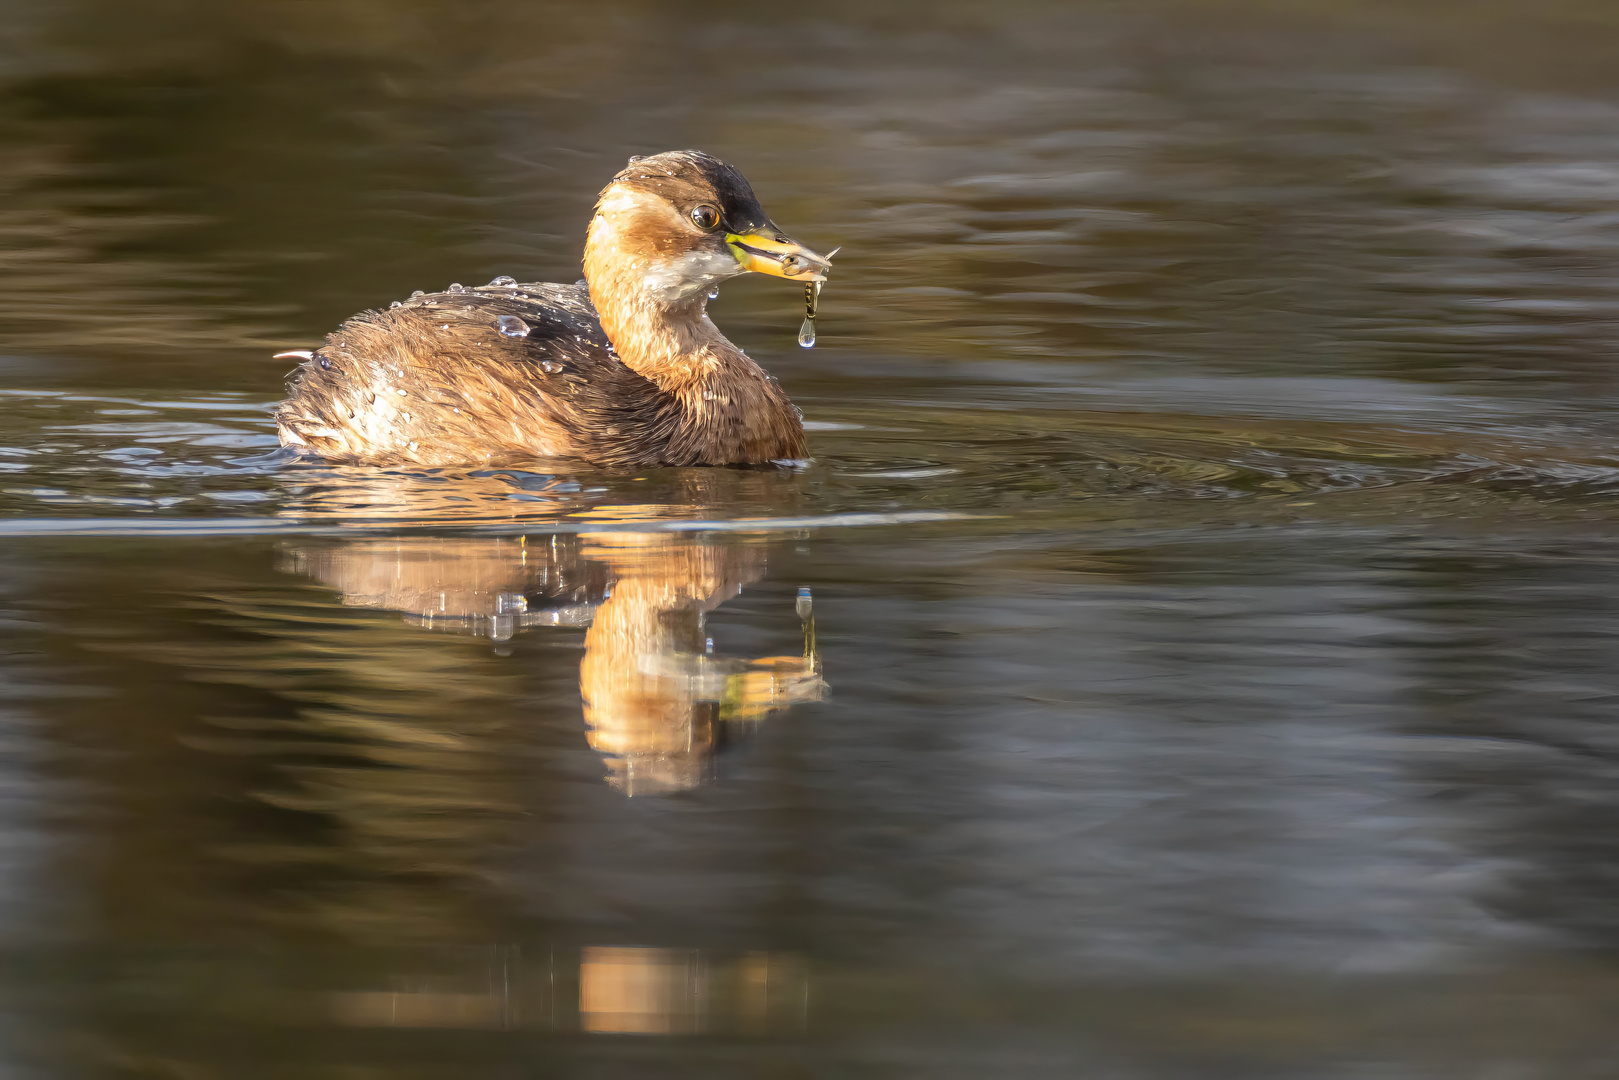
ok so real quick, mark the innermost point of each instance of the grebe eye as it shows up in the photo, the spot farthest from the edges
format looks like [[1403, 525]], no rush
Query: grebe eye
[[705, 217]]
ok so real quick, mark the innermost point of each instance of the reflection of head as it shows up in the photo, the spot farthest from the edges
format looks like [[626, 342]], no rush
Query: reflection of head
[[655, 702]]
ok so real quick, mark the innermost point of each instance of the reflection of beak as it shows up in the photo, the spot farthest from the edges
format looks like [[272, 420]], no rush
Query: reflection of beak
[[770, 251]]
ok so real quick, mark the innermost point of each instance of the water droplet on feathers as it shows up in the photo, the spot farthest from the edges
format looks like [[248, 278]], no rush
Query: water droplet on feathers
[[415, 293], [550, 367], [806, 334], [456, 287], [512, 326], [504, 279], [397, 303]]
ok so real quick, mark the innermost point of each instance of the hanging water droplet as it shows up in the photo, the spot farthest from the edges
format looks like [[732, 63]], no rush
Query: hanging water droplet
[[512, 326], [812, 304], [397, 303], [714, 293], [708, 646], [415, 293], [504, 279], [806, 603], [456, 286], [550, 367]]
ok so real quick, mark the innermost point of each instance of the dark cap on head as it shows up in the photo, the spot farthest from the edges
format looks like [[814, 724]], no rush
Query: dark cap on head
[[691, 176]]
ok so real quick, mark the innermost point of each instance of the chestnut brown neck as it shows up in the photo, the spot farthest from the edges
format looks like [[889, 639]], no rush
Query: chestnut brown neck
[[734, 411], [664, 340]]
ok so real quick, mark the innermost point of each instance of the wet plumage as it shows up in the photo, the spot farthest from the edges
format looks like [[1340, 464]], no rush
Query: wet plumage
[[625, 368]]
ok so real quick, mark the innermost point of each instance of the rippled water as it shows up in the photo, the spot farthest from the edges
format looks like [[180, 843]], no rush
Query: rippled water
[[1191, 652]]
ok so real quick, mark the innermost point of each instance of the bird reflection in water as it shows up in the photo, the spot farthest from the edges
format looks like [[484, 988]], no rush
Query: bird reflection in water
[[658, 702]]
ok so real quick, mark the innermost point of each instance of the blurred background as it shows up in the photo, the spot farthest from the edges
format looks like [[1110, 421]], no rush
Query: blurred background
[[1208, 664]]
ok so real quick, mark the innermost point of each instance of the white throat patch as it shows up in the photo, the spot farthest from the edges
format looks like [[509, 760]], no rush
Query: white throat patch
[[688, 275]]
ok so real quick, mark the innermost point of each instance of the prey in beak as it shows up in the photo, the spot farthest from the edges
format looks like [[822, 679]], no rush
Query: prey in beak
[[770, 251]]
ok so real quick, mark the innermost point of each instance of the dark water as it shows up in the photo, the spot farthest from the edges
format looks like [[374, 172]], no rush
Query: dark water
[[1212, 660]]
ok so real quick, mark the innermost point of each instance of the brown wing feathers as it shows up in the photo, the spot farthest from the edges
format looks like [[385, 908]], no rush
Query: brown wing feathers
[[453, 377]]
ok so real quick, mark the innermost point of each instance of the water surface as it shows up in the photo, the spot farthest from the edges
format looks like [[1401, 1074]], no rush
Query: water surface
[[1190, 653]]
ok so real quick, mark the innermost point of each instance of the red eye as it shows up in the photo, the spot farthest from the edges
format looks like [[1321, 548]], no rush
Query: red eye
[[705, 217]]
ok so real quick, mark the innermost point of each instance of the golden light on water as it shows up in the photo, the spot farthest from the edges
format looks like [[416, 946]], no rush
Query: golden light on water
[[632, 991], [614, 990], [651, 991]]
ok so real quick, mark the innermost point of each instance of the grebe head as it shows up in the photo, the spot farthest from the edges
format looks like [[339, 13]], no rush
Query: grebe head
[[671, 227]]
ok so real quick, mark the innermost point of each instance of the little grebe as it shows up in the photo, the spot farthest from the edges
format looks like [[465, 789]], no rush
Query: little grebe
[[624, 368]]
